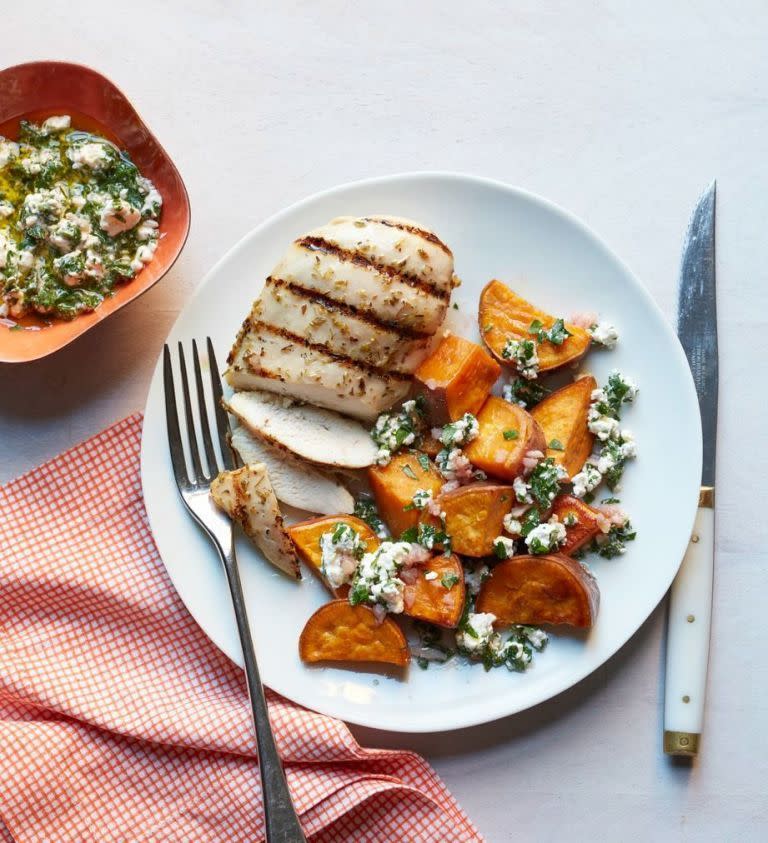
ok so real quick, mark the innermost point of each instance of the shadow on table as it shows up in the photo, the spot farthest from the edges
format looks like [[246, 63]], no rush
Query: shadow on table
[[437, 745]]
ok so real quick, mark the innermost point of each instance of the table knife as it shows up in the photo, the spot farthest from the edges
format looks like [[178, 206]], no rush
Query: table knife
[[690, 604]]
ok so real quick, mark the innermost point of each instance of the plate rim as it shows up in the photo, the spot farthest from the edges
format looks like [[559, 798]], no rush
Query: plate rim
[[487, 715]]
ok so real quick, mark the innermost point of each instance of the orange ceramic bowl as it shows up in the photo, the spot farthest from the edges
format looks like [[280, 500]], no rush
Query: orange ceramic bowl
[[36, 91]]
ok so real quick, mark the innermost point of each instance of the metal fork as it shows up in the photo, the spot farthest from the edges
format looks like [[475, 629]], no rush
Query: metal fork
[[282, 823]]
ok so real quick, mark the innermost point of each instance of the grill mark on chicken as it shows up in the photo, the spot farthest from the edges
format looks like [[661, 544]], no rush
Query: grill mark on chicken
[[320, 244], [385, 374], [413, 229], [360, 313]]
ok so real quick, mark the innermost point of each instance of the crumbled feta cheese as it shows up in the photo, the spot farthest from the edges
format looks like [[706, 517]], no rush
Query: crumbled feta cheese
[[503, 547], [537, 637], [34, 161], [340, 550], [421, 497], [393, 431], [153, 201], [118, 216], [430, 575], [586, 480], [524, 355], [376, 579], [57, 123], [47, 206], [603, 333], [460, 432], [477, 632], [512, 525], [604, 427], [97, 156], [474, 576], [6, 208], [522, 490], [546, 537], [454, 466], [8, 151]]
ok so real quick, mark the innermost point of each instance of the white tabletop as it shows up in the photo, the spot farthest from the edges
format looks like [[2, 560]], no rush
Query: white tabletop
[[620, 111]]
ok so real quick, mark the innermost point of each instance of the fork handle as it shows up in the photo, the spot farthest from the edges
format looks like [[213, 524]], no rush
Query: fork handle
[[280, 818]]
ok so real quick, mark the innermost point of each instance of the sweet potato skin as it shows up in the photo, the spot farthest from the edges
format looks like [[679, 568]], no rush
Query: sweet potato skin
[[504, 315], [305, 536], [455, 379], [587, 524], [474, 516], [340, 632], [536, 590], [491, 451], [563, 416], [394, 485], [429, 600]]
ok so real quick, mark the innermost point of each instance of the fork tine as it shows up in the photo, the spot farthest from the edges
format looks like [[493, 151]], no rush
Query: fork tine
[[191, 434], [210, 454], [172, 422], [222, 421]]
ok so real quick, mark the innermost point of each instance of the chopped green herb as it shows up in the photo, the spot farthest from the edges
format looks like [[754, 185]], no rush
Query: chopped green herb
[[455, 306], [556, 445], [610, 500], [449, 580], [524, 392], [535, 326], [16, 328], [423, 461], [511, 434], [365, 510], [487, 329], [616, 542], [408, 472]]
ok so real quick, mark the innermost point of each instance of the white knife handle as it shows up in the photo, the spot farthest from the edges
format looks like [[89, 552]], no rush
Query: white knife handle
[[690, 618]]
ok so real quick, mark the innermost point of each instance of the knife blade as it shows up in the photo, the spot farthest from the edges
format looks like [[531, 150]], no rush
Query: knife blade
[[690, 604], [697, 320]]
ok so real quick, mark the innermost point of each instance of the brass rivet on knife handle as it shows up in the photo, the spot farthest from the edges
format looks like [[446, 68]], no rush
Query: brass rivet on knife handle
[[707, 497], [681, 743]]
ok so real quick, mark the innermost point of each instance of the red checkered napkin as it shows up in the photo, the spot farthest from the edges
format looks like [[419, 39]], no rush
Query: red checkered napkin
[[120, 721]]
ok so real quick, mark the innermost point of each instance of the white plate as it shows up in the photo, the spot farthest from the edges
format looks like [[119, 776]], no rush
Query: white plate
[[553, 259]]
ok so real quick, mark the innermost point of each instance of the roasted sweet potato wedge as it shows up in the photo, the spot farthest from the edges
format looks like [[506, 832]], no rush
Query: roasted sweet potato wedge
[[306, 539], [394, 486], [563, 418], [340, 632], [504, 315], [474, 516], [438, 599], [587, 525], [536, 590], [455, 379], [507, 433]]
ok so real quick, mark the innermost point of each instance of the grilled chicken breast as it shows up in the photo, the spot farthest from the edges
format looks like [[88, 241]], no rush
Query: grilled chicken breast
[[346, 315]]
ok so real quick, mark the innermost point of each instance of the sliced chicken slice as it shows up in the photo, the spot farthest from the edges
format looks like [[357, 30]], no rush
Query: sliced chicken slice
[[337, 329], [317, 435], [295, 482], [265, 361], [246, 496]]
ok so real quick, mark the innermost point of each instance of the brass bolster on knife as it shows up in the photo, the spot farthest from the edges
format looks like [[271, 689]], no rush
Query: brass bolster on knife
[[707, 497], [681, 743]]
